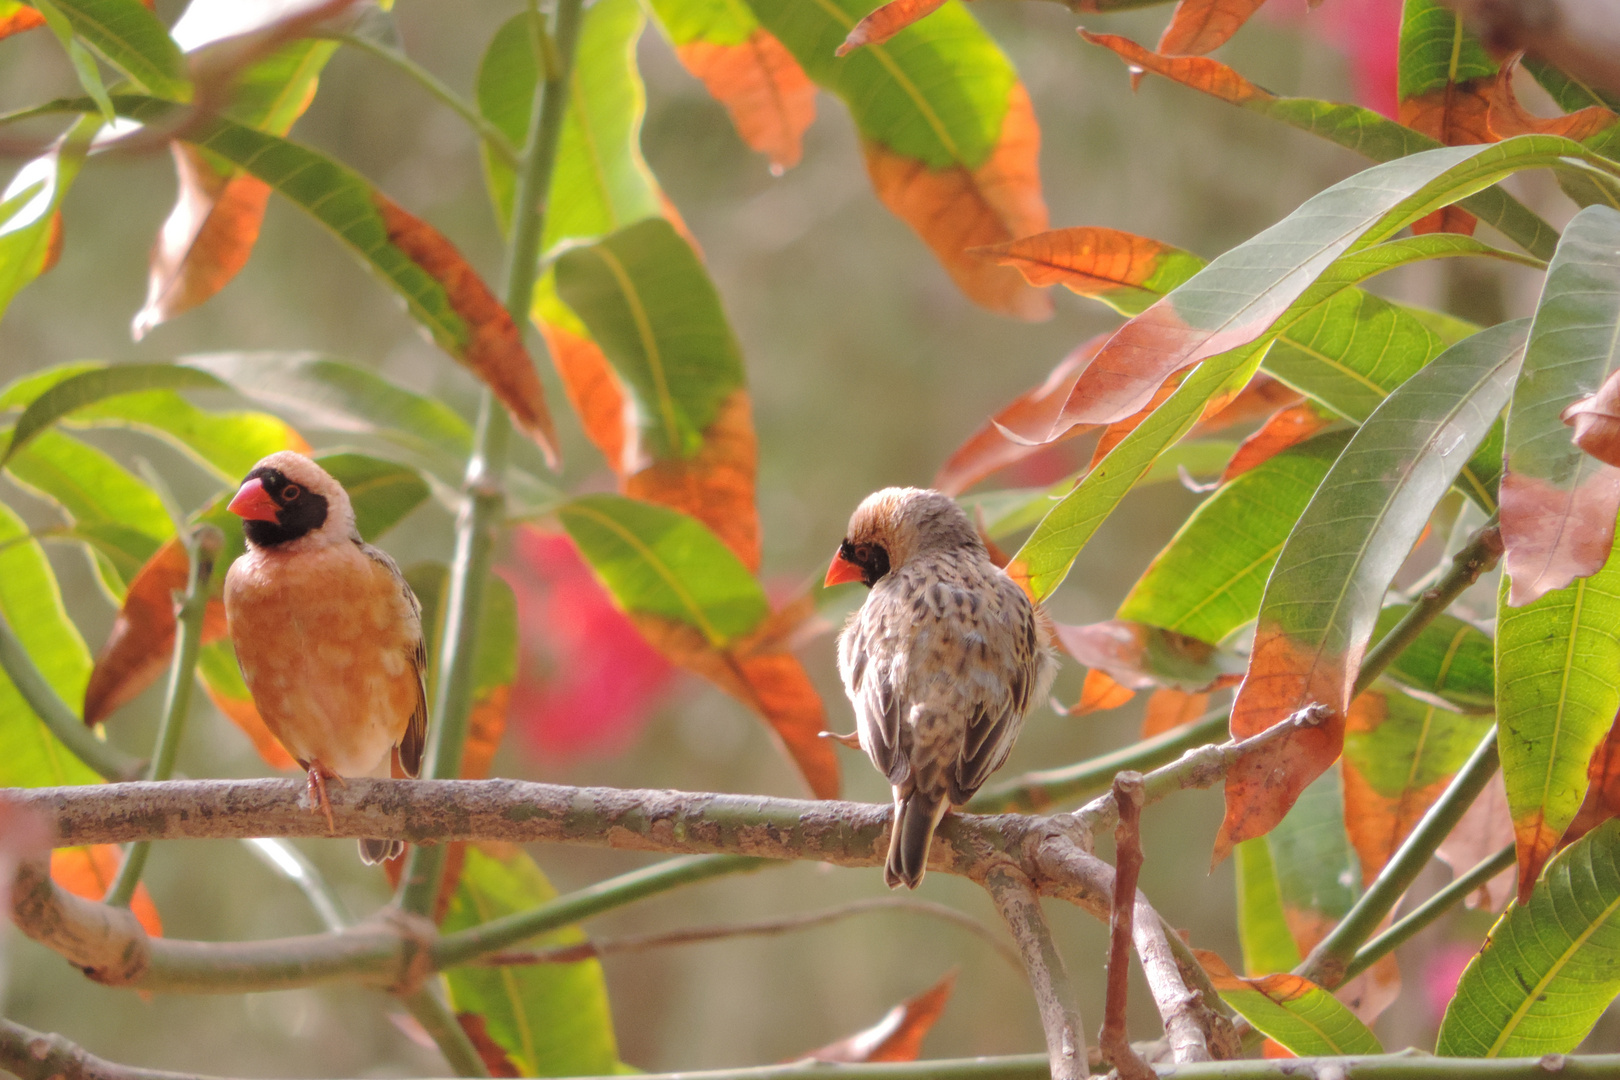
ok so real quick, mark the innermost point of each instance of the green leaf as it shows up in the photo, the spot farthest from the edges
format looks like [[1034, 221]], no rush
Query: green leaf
[[1570, 93], [96, 384], [227, 443], [1550, 966], [659, 561], [29, 206], [1268, 946], [1558, 502], [30, 756], [1208, 580], [1557, 692], [1300, 1015], [319, 393], [84, 64], [551, 1019], [1435, 50], [601, 182], [129, 37], [382, 492], [650, 305], [1449, 659]]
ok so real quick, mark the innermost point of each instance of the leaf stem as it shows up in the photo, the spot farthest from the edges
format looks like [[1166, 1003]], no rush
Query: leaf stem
[[492, 136], [106, 760], [1430, 910], [1330, 960], [484, 503], [1034, 792], [202, 547]]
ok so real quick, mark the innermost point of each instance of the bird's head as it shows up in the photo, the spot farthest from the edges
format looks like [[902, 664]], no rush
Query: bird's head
[[287, 497], [893, 526]]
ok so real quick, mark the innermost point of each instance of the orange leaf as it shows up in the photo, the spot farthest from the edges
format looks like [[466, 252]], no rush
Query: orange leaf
[[768, 680], [1201, 26], [954, 209], [1286, 427], [1115, 433], [595, 391], [245, 715], [887, 21], [899, 1035], [715, 485], [1378, 823], [493, 348], [1596, 421], [138, 648], [90, 871], [1456, 115], [21, 18], [1030, 416], [1099, 693], [770, 98], [207, 238], [1169, 708], [1506, 117], [1260, 397], [1264, 784], [1603, 773], [1085, 259], [1209, 76]]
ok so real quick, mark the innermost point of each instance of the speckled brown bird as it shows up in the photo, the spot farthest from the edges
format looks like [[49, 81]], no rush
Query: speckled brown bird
[[941, 662], [327, 633]]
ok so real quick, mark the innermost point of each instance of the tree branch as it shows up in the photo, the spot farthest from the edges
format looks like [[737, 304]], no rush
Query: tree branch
[[1020, 905], [1115, 1038]]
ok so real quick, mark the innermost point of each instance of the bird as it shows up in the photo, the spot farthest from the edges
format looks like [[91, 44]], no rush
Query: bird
[[327, 632], [941, 662]]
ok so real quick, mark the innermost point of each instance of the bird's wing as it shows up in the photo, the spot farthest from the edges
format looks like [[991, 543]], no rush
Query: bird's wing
[[414, 741], [866, 659]]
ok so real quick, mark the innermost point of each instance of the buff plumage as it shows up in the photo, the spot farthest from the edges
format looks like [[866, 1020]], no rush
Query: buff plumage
[[941, 662], [327, 633]]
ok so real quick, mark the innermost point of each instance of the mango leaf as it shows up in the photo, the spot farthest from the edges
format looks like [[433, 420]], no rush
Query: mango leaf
[[1283, 429], [950, 136], [17, 17], [550, 1019], [1450, 659], [1558, 503], [1441, 72], [1125, 271], [649, 303], [1168, 709], [30, 215], [1139, 656], [1324, 595], [92, 395], [440, 288], [1262, 922], [127, 35], [896, 1037], [1557, 691], [31, 601], [1399, 755], [323, 394], [1209, 579], [1300, 1015], [1350, 126], [1201, 26], [770, 98], [89, 871], [1240, 298], [1550, 966]]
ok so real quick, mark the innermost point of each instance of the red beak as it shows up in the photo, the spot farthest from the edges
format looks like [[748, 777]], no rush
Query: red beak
[[841, 571], [253, 503]]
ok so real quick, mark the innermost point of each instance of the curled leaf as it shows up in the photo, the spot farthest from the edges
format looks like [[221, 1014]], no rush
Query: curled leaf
[[1139, 656], [1596, 420], [887, 21], [896, 1037]]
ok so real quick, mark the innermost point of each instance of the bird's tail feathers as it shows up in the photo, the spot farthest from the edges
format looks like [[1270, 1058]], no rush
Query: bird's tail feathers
[[916, 815], [373, 852]]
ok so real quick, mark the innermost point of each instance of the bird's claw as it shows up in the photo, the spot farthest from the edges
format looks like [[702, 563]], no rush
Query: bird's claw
[[317, 792]]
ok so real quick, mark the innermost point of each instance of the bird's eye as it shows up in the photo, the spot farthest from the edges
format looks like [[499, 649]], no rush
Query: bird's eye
[[291, 492]]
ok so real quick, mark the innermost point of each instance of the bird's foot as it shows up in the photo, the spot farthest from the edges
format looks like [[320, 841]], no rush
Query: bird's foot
[[852, 740], [318, 774]]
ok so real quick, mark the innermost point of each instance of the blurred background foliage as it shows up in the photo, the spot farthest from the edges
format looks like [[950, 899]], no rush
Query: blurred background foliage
[[867, 367]]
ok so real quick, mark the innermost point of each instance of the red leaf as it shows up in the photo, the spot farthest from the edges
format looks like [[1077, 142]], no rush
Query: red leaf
[[955, 209], [887, 21], [1596, 421], [1286, 427], [90, 871], [1201, 26], [770, 98], [1139, 656], [1087, 260], [1554, 534], [1209, 76], [207, 238], [898, 1036]]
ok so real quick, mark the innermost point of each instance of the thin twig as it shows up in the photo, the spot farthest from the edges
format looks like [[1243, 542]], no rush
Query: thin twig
[[1020, 906], [1115, 1039], [1328, 962], [785, 924], [1034, 792], [1430, 910]]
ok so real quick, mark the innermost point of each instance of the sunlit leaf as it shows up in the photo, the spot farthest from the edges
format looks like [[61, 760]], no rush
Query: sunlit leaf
[[1550, 966], [127, 35], [1558, 503], [30, 224], [1125, 271], [1098, 693], [94, 385], [1283, 429], [885, 21], [550, 1019], [1300, 1015], [1201, 26], [1139, 656], [1450, 659], [1327, 588], [1169, 709]]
